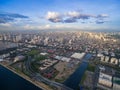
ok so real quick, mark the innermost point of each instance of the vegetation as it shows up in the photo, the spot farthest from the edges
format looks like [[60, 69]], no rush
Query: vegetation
[[91, 68], [35, 67], [33, 52], [83, 78], [61, 80], [40, 57]]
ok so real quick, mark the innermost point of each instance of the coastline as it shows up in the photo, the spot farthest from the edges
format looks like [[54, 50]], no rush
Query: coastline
[[38, 84]]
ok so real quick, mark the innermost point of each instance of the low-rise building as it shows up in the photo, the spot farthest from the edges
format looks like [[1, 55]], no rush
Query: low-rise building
[[78, 55], [99, 55], [105, 79], [19, 58], [102, 58], [65, 59], [114, 61], [43, 53], [107, 59], [58, 57], [4, 55], [47, 63], [1, 59]]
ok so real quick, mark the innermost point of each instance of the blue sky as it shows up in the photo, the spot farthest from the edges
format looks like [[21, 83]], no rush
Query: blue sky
[[60, 14]]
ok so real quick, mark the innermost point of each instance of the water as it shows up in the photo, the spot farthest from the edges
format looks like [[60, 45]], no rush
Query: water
[[74, 80], [5, 45], [11, 81]]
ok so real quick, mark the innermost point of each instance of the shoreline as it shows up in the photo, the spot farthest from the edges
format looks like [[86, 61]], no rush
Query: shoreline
[[23, 76]]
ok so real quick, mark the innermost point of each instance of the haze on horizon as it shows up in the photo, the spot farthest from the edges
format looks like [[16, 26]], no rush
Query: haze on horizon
[[60, 15]]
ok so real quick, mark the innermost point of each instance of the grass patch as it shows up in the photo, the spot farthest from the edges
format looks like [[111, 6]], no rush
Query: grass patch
[[33, 52], [91, 68], [40, 57], [83, 78], [61, 80]]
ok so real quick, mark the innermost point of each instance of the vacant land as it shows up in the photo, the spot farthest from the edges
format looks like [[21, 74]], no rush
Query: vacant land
[[64, 71]]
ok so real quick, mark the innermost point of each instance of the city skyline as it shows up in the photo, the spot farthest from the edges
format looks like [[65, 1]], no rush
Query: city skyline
[[59, 15]]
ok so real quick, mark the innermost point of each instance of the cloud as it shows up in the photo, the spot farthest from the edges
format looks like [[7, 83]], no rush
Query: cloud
[[54, 17], [5, 19], [70, 20], [9, 17], [36, 27], [74, 16], [69, 17], [78, 15], [5, 24], [102, 16], [100, 21]]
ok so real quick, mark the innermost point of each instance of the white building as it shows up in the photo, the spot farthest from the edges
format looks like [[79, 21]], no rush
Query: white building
[[62, 58], [103, 58], [58, 57], [18, 58], [43, 53], [4, 56], [47, 63], [1, 59], [114, 61], [105, 79], [107, 59], [65, 59], [99, 55], [78, 55]]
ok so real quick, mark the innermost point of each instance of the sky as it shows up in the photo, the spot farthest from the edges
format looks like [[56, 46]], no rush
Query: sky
[[60, 15]]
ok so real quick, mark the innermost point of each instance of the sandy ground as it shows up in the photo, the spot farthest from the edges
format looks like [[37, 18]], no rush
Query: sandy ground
[[64, 70]]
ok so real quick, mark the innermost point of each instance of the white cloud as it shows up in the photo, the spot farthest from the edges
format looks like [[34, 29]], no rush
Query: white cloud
[[102, 16], [73, 14], [5, 24], [37, 27], [53, 17], [47, 26], [72, 17], [78, 15]]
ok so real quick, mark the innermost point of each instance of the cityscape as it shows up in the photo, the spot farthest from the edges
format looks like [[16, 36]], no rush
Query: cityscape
[[60, 48]]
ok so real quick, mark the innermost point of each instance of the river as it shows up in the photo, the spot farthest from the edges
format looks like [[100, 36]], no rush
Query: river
[[74, 80], [11, 81]]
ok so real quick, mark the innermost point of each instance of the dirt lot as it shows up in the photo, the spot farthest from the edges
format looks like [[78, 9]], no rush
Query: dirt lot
[[64, 71]]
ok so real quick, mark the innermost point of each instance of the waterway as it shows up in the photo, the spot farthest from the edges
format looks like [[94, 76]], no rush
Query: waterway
[[11, 81], [5, 45], [74, 80]]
